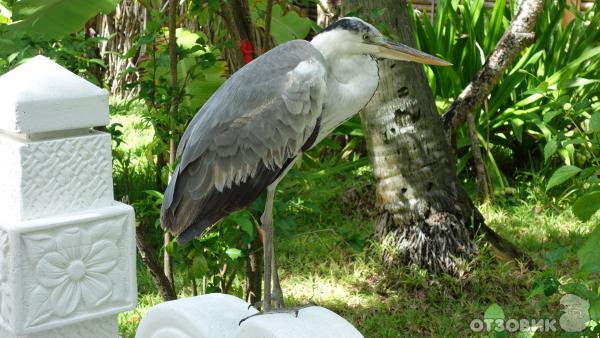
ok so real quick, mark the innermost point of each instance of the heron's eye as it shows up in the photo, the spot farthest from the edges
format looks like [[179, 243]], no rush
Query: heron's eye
[[366, 37]]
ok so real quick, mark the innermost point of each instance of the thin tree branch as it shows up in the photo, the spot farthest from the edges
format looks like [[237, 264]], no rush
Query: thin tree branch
[[519, 35], [268, 17], [168, 260]]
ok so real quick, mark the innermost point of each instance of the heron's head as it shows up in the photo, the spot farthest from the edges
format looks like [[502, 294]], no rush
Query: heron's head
[[352, 36]]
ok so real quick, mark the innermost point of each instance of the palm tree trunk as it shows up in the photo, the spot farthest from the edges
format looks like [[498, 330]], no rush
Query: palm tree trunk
[[424, 212], [426, 217]]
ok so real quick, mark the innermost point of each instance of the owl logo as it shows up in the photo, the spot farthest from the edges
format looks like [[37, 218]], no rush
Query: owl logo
[[576, 315]]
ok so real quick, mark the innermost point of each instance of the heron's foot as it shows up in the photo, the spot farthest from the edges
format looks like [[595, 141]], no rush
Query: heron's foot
[[276, 298], [256, 305], [294, 310]]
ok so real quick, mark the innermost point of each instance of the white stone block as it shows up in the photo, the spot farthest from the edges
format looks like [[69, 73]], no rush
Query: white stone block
[[312, 322], [41, 96], [209, 316], [218, 316], [54, 176], [63, 270], [105, 327]]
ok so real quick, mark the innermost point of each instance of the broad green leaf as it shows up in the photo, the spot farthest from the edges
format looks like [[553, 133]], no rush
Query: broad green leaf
[[589, 253], [587, 205], [494, 311], [550, 115], [234, 253], [199, 90], [246, 225], [561, 175], [53, 19], [289, 26]]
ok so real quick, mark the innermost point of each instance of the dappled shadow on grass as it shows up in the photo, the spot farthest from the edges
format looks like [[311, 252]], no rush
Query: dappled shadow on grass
[[319, 264], [539, 232], [410, 302]]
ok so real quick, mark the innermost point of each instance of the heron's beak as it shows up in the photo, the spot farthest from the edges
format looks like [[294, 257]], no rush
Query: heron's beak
[[396, 51]]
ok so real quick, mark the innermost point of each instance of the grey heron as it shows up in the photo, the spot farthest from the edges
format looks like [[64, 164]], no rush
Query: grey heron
[[246, 137]]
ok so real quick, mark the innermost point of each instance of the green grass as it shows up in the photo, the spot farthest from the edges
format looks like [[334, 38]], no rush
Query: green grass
[[327, 255], [320, 263]]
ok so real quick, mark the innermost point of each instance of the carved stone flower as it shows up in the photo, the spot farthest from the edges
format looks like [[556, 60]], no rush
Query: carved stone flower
[[77, 270]]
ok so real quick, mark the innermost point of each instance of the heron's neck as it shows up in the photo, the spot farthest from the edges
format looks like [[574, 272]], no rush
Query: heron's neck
[[351, 82]]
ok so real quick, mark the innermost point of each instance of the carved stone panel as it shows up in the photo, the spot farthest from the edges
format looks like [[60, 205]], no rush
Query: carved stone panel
[[54, 176], [68, 269]]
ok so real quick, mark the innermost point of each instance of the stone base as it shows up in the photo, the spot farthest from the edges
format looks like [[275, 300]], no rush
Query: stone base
[[59, 271], [105, 327], [218, 316]]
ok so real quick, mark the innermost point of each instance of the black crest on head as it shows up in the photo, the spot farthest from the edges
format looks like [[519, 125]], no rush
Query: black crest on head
[[350, 24]]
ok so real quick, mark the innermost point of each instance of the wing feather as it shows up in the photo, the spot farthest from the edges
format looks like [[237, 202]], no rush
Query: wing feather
[[244, 136]]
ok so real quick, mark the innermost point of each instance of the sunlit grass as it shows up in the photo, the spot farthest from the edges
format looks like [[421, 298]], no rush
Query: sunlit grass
[[327, 255]]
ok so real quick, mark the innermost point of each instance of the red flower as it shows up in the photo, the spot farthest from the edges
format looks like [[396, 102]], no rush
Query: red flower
[[247, 50], [598, 175]]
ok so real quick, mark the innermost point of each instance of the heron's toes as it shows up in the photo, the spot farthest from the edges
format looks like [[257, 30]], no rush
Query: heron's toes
[[295, 310], [257, 305]]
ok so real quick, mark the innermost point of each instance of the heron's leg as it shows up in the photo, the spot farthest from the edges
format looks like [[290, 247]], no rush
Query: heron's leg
[[267, 223], [277, 292]]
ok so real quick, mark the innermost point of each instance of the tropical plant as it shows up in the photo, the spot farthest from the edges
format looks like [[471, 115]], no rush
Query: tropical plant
[[540, 102]]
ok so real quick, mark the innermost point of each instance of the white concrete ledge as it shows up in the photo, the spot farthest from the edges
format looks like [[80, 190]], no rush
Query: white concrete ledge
[[218, 316]]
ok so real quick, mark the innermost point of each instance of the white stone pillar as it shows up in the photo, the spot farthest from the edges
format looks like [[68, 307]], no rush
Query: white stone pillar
[[67, 249]]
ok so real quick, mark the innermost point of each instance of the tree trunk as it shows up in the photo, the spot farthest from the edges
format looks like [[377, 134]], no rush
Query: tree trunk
[[424, 212], [426, 217], [328, 12], [148, 255], [127, 21]]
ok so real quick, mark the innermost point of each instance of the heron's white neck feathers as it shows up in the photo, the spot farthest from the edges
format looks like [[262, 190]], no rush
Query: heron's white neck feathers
[[352, 77], [339, 43]]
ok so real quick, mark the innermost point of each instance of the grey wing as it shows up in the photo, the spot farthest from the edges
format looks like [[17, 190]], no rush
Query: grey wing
[[244, 136]]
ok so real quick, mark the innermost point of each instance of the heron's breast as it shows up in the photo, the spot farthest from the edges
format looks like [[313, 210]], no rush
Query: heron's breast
[[350, 86]]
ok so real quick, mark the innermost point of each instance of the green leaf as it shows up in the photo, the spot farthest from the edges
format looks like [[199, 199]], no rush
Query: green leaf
[[595, 310], [579, 290], [155, 194], [587, 205], [554, 256], [551, 115], [246, 225], [549, 149], [494, 311], [561, 175], [234, 253], [589, 253], [595, 122], [199, 266], [289, 26], [53, 19]]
